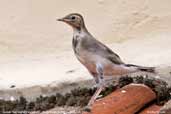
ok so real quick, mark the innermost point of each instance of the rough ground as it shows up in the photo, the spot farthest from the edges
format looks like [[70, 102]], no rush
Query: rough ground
[[64, 110]]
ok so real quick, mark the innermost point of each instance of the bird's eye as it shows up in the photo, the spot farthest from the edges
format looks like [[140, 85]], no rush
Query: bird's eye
[[73, 17]]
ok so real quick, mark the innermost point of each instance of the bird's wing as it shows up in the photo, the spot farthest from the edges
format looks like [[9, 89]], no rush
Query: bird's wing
[[109, 54], [100, 49]]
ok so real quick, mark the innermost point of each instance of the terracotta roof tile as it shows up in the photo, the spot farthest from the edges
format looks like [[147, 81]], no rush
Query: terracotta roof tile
[[126, 100], [153, 109]]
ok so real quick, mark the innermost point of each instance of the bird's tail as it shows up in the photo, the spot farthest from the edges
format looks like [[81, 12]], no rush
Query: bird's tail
[[162, 72], [142, 68]]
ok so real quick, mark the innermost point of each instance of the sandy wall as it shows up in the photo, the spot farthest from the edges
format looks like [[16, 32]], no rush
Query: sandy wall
[[30, 26], [35, 49]]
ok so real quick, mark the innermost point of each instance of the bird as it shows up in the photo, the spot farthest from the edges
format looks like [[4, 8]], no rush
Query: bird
[[99, 59]]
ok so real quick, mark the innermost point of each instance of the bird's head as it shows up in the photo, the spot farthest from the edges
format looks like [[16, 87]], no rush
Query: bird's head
[[74, 19]]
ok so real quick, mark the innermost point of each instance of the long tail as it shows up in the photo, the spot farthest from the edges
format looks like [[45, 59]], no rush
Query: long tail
[[162, 72], [142, 68]]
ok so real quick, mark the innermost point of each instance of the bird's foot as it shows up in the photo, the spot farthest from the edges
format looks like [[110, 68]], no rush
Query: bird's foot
[[87, 109]]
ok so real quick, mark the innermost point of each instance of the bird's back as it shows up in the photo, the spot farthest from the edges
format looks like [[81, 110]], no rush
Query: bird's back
[[95, 47]]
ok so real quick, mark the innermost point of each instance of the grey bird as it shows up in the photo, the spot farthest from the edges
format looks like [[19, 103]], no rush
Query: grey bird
[[99, 60]]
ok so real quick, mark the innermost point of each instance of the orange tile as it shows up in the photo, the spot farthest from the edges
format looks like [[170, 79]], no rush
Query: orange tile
[[126, 100], [153, 109]]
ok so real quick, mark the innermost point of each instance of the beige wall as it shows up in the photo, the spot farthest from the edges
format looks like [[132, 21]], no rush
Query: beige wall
[[30, 27], [36, 49]]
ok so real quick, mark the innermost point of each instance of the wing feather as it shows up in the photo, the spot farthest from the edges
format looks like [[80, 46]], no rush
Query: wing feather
[[95, 46]]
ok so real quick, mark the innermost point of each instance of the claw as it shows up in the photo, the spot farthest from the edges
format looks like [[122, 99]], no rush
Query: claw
[[87, 109]]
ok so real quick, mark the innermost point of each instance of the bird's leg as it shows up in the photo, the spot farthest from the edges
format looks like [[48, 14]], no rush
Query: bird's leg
[[94, 97], [100, 85]]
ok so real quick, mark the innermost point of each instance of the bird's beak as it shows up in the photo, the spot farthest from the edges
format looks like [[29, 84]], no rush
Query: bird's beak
[[64, 19], [61, 19]]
